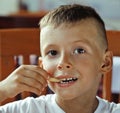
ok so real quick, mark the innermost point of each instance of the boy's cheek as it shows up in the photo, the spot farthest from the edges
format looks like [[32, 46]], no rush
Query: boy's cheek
[[48, 69], [49, 66]]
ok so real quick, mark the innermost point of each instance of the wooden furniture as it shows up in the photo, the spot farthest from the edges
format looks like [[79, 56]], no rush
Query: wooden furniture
[[114, 46], [21, 20], [14, 42]]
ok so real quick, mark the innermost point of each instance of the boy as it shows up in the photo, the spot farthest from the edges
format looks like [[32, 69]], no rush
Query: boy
[[74, 56]]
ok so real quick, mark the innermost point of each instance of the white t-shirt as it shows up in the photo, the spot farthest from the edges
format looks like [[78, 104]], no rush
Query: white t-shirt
[[47, 104]]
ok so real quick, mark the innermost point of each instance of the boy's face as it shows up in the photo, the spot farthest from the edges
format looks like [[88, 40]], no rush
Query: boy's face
[[73, 53]]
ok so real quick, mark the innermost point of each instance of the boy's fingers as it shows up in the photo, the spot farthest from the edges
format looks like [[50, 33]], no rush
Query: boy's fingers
[[32, 82], [33, 72], [39, 77], [30, 89], [30, 78], [36, 69]]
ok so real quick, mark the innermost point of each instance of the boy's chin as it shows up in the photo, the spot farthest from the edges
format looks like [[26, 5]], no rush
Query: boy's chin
[[66, 96]]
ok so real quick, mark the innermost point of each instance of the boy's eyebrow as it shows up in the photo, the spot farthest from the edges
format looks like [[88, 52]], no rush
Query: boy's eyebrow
[[76, 41], [82, 41], [85, 42], [48, 46]]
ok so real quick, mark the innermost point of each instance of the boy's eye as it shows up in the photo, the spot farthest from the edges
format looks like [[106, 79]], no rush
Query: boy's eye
[[52, 52], [79, 51]]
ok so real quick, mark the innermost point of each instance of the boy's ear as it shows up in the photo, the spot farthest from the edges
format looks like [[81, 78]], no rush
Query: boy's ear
[[40, 62], [107, 62]]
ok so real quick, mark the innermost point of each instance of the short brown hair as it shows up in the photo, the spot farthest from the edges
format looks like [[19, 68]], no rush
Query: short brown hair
[[70, 14]]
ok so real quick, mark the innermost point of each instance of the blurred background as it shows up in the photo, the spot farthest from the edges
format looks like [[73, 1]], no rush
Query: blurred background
[[109, 10]]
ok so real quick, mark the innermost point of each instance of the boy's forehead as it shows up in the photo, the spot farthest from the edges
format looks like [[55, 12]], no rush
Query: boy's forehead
[[83, 25], [86, 28]]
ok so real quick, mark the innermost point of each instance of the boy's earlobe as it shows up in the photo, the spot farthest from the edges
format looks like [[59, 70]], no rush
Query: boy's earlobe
[[107, 63], [40, 62]]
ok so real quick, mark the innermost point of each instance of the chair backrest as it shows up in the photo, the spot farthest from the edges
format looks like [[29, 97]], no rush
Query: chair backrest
[[21, 20], [15, 42], [114, 45]]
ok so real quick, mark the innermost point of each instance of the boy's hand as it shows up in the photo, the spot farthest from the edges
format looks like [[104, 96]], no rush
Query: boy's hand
[[25, 78]]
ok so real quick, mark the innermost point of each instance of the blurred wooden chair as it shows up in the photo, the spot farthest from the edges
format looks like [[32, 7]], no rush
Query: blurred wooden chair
[[114, 46], [21, 20], [15, 42]]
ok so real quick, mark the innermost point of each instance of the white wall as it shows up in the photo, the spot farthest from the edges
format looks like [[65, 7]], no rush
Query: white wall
[[109, 10], [8, 6]]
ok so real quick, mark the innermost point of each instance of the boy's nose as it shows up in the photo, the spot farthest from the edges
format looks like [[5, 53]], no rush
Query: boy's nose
[[64, 66]]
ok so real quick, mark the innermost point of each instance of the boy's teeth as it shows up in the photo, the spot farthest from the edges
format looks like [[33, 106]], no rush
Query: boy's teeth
[[64, 80], [67, 80]]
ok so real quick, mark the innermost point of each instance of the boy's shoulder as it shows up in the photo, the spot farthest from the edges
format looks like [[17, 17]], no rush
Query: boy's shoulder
[[32, 105], [46, 98], [107, 107]]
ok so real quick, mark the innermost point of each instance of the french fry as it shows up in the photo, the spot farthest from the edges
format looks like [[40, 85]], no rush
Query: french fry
[[54, 80]]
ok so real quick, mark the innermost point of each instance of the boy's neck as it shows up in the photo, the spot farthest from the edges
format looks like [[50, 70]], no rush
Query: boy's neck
[[79, 105]]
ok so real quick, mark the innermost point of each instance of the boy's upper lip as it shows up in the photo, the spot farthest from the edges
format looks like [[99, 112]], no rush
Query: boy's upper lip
[[64, 76]]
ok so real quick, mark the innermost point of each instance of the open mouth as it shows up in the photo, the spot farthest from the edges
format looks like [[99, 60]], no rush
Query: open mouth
[[64, 80], [68, 80]]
